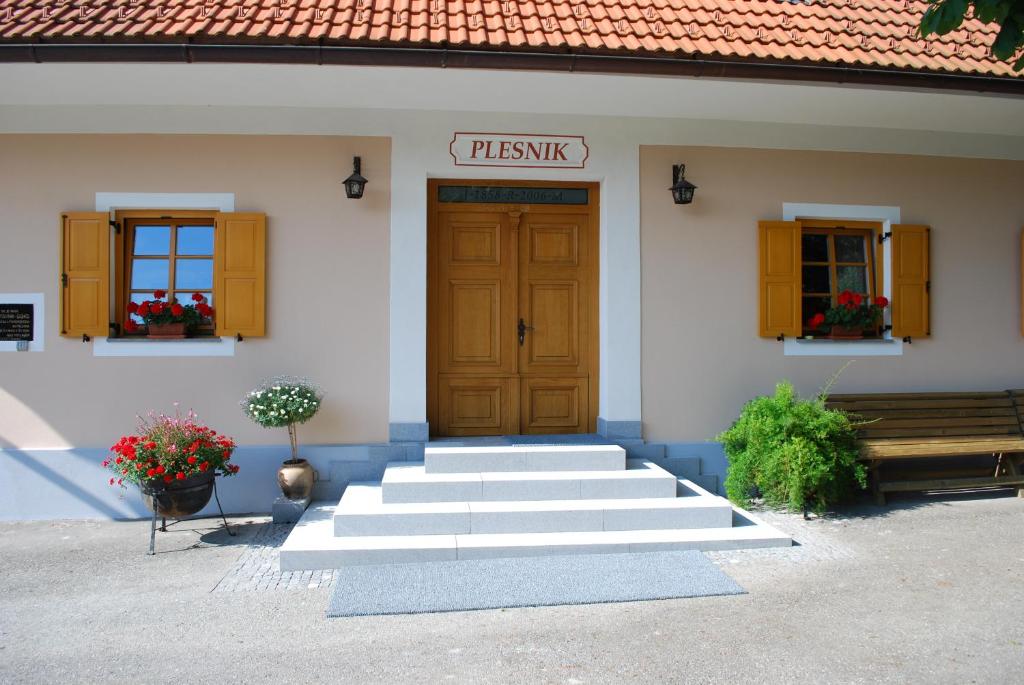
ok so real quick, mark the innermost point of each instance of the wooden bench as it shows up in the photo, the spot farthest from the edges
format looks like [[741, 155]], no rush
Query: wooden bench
[[905, 428]]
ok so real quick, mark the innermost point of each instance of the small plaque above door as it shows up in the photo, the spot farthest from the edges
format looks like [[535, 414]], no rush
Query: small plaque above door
[[512, 194]]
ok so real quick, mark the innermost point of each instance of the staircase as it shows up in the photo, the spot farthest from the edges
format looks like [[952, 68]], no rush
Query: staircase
[[518, 500]]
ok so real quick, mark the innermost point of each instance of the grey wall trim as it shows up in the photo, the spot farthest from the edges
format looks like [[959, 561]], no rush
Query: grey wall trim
[[619, 429], [409, 432]]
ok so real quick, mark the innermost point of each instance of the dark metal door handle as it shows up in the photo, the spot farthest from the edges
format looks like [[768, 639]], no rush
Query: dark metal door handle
[[522, 331]]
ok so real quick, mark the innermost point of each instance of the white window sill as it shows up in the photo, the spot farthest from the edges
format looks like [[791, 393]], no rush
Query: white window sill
[[145, 347], [824, 347]]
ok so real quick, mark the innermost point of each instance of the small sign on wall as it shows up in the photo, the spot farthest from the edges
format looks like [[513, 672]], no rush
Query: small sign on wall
[[519, 150], [21, 322], [17, 321]]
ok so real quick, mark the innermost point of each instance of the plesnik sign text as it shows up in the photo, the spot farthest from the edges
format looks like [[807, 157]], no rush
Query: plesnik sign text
[[519, 150]]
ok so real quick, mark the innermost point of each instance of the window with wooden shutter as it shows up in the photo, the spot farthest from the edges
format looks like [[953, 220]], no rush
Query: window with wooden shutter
[[239, 288], [779, 244], [85, 274], [910, 281]]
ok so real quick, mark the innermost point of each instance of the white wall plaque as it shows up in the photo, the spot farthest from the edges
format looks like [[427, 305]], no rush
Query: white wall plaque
[[519, 150]]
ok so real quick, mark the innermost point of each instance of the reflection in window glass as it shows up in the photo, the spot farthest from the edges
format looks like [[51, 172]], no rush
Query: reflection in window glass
[[850, 248], [853, 278], [195, 240], [152, 240], [193, 274], [149, 274]]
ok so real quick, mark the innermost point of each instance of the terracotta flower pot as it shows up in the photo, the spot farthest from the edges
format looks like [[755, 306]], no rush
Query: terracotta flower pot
[[296, 479], [166, 331], [179, 498], [844, 333]]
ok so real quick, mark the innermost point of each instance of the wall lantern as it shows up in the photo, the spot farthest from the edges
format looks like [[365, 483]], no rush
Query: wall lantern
[[682, 190], [355, 183]]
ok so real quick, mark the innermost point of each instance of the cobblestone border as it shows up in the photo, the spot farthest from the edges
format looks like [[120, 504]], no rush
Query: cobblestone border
[[257, 568]]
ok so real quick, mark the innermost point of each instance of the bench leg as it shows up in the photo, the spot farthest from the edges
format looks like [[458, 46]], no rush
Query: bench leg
[[1012, 467], [873, 473]]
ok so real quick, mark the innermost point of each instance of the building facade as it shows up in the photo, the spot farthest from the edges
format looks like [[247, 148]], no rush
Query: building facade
[[516, 264]]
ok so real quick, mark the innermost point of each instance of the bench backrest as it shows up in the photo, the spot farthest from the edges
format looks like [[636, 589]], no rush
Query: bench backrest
[[934, 414]]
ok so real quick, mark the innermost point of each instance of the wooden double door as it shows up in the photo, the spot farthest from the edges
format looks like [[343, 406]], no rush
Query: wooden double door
[[512, 314]]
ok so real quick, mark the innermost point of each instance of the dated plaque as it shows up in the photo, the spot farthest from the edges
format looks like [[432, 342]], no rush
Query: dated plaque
[[16, 322]]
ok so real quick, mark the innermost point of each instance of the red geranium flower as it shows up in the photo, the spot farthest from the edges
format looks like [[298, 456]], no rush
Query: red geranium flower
[[192, 459], [177, 309], [133, 307], [845, 297], [197, 297], [111, 481], [204, 309], [143, 309], [156, 307], [882, 301], [180, 476], [168, 479], [159, 294], [150, 472], [130, 326], [857, 299], [816, 321], [160, 469], [150, 445], [204, 466]]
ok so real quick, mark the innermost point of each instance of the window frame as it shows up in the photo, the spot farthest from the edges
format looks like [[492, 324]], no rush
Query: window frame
[[127, 221], [869, 230]]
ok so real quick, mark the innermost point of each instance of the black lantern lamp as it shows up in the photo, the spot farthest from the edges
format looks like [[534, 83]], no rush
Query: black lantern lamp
[[355, 184], [682, 190]]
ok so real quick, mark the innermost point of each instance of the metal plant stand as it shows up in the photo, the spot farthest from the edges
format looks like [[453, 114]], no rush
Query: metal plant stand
[[163, 520]]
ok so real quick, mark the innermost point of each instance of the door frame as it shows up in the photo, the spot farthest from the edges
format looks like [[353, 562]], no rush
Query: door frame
[[592, 208]]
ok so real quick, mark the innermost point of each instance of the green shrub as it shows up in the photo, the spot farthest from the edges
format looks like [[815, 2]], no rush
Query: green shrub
[[795, 452]]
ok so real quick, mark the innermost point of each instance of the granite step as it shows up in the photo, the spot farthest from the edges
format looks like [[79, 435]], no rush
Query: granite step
[[363, 512], [519, 458], [406, 482], [312, 544]]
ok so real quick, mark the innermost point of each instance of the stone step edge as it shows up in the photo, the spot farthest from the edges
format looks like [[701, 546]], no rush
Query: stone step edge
[[635, 469], [524, 458], [699, 498], [311, 544]]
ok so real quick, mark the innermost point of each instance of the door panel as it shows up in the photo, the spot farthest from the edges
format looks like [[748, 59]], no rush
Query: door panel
[[491, 266], [555, 405], [478, 406], [476, 293]]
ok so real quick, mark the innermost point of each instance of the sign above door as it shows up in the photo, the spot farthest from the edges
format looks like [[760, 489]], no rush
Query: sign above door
[[519, 150]]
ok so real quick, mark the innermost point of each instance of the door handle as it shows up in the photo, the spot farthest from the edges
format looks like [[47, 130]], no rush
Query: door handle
[[522, 331]]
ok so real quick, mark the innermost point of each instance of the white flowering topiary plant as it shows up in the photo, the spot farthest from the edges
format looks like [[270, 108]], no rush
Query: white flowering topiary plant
[[283, 401]]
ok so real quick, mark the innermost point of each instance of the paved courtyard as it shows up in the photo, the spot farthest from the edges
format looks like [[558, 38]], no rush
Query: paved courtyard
[[924, 591]]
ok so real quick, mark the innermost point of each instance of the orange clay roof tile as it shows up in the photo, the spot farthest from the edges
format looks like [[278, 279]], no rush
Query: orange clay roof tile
[[855, 33]]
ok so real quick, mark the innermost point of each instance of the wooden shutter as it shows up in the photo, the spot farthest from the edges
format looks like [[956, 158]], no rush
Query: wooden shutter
[[779, 243], [910, 281], [85, 274], [239, 283]]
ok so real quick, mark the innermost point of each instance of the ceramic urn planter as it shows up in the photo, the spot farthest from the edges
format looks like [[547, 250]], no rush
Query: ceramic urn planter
[[296, 479]]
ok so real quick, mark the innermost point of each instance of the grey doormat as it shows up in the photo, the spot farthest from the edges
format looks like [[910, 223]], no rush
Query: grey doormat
[[472, 584]]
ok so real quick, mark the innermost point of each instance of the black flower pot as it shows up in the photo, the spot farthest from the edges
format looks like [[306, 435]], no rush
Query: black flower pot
[[179, 498]]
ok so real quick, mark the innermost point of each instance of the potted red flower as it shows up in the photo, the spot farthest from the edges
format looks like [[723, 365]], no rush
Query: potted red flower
[[852, 315], [168, 319], [173, 460]]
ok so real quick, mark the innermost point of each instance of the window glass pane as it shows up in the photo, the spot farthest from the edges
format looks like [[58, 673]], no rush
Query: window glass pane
[[193, 274], [850, 248], [150, 274], [814, 247], [139, 298], [152, 240], [815, 305], [853, 278], [816, 279], [195, 240]]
